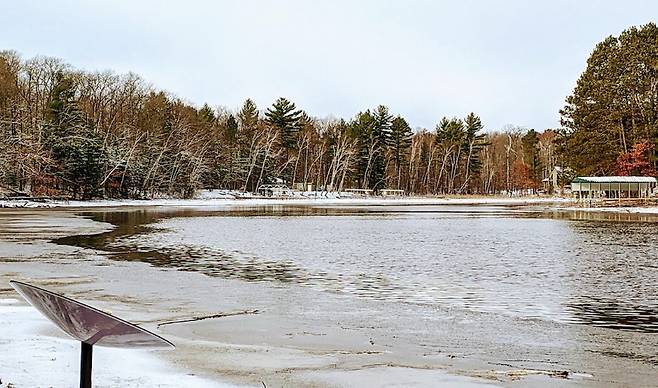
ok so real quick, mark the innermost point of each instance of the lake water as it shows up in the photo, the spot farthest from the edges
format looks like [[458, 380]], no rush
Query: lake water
[[574, 268]]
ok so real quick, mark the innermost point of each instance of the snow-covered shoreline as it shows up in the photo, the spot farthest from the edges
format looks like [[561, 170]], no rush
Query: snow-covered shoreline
[[35, 354], [622, 210], [215, 202], [552, 203]]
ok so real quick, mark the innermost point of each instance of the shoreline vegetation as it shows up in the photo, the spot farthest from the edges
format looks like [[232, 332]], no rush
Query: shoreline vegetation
[[99, 135]]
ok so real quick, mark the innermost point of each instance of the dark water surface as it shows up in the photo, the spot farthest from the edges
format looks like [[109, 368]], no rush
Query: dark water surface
[[573, 267]]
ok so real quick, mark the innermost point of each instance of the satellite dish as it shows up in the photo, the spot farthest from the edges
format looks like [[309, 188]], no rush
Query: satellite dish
[[88, 325]]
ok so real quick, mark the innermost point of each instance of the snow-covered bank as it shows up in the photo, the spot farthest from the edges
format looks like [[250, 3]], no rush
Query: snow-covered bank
[[228, 201], [622, 210], [219, 199], [35, 354], [22, 203]]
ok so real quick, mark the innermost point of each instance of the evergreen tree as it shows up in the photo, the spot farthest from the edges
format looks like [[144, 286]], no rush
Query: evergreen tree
[[399, 143], [530, 142], [474, 143], [451, 136], [248, 115], [383, 121], [206, 114], [248, 122], [614, 104], [230, 128], [62, 109], [451, 132], [76, 148], [362, 130], [285, 117]]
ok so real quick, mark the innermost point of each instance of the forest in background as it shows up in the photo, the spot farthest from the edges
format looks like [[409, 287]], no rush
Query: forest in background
[[72, 133]]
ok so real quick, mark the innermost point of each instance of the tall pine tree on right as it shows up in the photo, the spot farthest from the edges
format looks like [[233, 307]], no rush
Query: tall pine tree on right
[[614, 106]]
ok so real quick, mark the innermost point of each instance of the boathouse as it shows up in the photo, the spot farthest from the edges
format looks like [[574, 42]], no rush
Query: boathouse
[[613, 186]]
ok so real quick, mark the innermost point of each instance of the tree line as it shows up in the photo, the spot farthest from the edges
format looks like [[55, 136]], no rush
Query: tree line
[[67, 132]]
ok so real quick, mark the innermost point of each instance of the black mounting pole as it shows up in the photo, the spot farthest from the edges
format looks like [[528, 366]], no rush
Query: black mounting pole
[[85, 365]]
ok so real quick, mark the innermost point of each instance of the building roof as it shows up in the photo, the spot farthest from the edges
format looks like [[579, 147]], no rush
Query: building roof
[[614, 179]]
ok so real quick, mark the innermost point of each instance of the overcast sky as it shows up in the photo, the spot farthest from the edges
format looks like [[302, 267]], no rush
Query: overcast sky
[[511, 62]]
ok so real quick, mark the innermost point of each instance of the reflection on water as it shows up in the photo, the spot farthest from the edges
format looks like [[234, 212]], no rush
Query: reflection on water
[[212, 262], [611, 314], [569, 267]]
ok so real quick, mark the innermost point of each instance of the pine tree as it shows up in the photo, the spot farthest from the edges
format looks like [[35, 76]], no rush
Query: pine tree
[[248, 124], [284, 116], [361, 129], [230, 127], [614, 104], [248, 115], [399, 143], [76, 148], [530, 142], [383, 121], [473, 145], [451, 136], [207, 114], [451, 131]]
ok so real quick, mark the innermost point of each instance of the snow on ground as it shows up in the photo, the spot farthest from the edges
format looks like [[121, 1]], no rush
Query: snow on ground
[[629, 210], [21, 203], [221, 199], [34, 354], [224, 198], [219, 194]]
